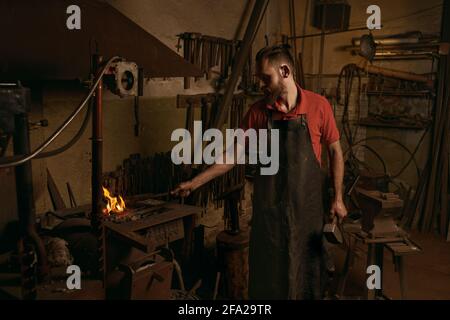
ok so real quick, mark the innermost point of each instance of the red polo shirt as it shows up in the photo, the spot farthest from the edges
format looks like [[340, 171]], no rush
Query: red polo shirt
[[319, 115]]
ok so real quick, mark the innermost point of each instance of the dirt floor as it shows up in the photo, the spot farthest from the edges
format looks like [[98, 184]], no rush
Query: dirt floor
[[427, 273]]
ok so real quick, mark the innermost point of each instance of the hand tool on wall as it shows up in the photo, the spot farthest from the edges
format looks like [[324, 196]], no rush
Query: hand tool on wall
[[207, 52], [187, 55]]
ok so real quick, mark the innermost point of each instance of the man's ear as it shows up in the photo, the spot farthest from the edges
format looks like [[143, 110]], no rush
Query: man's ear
[[285, 71]]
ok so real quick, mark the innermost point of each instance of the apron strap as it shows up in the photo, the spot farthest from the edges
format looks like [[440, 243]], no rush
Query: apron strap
[[269, 119], [303, 120]]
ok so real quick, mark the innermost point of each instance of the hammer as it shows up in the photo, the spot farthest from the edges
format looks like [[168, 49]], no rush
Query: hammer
[[331, 229], [332, 232]]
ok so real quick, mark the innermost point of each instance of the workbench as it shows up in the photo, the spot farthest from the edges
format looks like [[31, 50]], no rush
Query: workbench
[[399, 247]]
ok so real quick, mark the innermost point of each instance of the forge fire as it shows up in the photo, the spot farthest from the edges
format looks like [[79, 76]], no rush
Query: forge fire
[[113, 204]]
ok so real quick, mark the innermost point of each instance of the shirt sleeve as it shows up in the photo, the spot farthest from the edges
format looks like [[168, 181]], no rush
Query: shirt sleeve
[[253, 118], [246, 122], [330, 132]]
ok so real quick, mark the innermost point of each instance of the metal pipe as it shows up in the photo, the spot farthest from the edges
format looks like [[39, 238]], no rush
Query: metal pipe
[[294, 34], [322, 50], [24, 183], [24, 191], [97, 166], [388, 41], [240, 26], [402, 54], [242, 55], [406, 46], [326, 33], [395, 73], [305, 20]]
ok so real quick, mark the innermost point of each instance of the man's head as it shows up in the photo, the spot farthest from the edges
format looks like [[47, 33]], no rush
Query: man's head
[[274, 67]]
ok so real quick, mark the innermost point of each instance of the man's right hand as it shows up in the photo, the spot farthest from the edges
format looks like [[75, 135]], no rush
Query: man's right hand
[[184, 189]]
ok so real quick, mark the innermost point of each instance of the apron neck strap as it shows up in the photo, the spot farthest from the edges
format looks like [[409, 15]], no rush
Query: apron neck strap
[[269, 119], [303, 119]]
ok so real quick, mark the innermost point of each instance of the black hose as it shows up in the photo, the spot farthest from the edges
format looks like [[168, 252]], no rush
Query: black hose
[[75, 138], [18, 160]]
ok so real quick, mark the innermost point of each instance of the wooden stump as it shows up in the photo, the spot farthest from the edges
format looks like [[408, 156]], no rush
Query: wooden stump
[[232, 252]]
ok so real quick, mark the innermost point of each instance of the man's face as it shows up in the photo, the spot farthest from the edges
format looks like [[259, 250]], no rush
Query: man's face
[[272, 82]]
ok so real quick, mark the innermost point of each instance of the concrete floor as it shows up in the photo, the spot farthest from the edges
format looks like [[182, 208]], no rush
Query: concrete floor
[[427, 273]]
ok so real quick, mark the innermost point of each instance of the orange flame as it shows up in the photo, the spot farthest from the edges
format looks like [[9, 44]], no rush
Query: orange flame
[[115, 205]]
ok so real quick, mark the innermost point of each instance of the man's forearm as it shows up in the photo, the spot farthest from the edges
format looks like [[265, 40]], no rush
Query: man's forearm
[[338, 176], [235, 151], [212, 172], [337, 165]]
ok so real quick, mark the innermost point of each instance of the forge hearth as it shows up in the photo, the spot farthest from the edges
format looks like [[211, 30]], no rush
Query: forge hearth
[[147, 227], [140, 210], [133, 240]]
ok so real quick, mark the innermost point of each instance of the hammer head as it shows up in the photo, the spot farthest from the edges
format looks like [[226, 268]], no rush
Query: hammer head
[[332, 232]]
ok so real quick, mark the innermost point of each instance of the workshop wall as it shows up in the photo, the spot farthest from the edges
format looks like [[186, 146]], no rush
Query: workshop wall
[[396, 17], [158, 112]]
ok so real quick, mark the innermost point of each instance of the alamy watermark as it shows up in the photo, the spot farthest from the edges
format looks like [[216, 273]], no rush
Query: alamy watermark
[[74, 279], [73, 21], [374, 279], [374, 20], [236, 139]]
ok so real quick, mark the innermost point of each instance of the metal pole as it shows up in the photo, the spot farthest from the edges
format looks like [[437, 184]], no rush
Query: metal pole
[[322, 49], [326, 33], [242, 55], [294, 35], [97, 167], [26, 211]]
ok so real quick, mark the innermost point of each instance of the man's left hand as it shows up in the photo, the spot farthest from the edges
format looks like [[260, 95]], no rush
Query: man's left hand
[[338, 208]]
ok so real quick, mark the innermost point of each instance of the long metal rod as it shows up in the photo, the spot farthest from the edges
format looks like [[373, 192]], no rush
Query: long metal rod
[[326, 33], [305, 20], [242, 55], [97, 168], [294, 34], [322, 50]]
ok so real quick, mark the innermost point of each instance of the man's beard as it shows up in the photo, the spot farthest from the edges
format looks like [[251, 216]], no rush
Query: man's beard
[[272, 96]]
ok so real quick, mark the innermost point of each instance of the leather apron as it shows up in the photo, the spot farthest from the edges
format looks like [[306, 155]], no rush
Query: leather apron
[[286, 254]]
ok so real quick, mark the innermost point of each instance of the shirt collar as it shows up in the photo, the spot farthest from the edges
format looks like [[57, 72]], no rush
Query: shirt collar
[[300, 108]]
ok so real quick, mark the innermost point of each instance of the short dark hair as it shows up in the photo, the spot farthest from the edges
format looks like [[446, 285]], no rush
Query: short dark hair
[[276, 54]]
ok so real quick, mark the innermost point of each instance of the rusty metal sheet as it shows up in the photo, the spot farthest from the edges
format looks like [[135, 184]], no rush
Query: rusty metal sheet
[[36, 43]]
